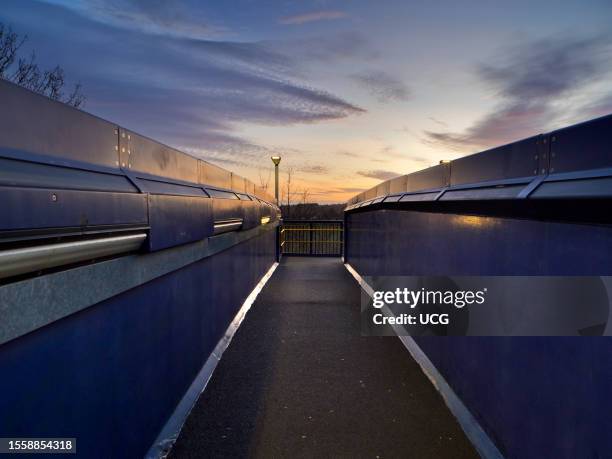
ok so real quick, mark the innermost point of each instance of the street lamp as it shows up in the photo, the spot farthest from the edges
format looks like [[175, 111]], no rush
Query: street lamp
[[276, 160]]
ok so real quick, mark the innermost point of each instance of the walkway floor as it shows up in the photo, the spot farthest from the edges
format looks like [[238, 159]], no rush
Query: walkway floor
[[298, 380]]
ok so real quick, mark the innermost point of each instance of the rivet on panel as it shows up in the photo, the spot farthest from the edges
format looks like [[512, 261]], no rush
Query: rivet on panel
[[53, 197]]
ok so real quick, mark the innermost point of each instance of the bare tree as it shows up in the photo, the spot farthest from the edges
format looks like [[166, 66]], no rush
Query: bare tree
[[287, 190], [264, 181], [305, 196], [49, 83]]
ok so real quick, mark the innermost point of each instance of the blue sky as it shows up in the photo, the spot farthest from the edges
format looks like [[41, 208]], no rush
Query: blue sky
[[348, 92]]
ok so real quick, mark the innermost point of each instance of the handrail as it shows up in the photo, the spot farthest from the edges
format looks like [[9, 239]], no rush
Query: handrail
[[29, 259], [224, 226]]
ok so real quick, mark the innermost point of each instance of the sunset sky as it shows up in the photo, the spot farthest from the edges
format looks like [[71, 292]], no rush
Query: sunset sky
[[348, 92]]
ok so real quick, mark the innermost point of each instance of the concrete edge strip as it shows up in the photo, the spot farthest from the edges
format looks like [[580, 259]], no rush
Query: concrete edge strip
[[169, 433], [472, 428], [33, 303]]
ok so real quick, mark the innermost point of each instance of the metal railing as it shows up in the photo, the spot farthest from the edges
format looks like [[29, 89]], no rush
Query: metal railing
[[312, 237]]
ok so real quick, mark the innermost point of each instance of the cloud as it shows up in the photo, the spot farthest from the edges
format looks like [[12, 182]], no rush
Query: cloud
[[309, 169], [531, 80], [385, 87], [172, 18], [378, 174], [314, 16], [185, 90], [599, 107]]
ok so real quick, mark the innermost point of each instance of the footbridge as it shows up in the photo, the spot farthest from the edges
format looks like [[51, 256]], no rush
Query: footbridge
[[152, 303]]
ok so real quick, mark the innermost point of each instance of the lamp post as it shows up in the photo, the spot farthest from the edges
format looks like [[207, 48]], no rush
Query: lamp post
[[276, 160]]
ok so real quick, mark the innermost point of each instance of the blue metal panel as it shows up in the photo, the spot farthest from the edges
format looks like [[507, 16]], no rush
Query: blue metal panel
[[164, 187], [33, 123], [112, 374], [225, 209], [432, 177], [536, 397], [31, 208], [517, 159], [178, 220], [31, 174], [252, 214], [583, 146]]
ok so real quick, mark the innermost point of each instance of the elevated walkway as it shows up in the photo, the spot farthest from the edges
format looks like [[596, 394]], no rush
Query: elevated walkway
[[298, 380]]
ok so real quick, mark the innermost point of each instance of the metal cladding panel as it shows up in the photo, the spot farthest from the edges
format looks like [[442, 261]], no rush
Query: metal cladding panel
[[432, 177], [129, 359], [583, 146], [176, 220], [30, 174], [499, 378], [382, 189], [517, 159], [160, 187], [238, 183], [141, 154], [371, 193], [33, 123], [252, 214], [249, 187], [398, 184], [215, 175], [36, 208], [224, 209]]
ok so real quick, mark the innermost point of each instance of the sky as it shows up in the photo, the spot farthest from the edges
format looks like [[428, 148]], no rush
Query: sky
[[349, 93]]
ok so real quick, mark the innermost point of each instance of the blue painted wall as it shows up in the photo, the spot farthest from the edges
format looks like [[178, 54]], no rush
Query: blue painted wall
[[112, 374], [536, 397]]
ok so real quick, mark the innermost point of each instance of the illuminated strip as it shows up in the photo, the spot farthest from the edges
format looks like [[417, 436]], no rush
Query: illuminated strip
[[171, 430]]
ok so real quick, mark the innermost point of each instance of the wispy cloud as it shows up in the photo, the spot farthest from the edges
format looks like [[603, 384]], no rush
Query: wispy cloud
[[531, 80], [313, 16], [383, 86], [171, 18], [378, 174], [313, 169], [185, 90]]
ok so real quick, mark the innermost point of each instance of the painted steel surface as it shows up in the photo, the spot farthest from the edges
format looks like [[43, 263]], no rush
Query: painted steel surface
[[111, 374], [536, 397], [564, 155]]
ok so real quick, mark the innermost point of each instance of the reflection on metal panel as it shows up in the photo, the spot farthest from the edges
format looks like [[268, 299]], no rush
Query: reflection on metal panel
[[33, 123]]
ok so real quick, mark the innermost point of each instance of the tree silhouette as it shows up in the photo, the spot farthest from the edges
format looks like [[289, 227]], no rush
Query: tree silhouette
[[26, 73]]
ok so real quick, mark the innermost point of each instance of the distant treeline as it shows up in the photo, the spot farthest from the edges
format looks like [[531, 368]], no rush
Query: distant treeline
[[313, 211]]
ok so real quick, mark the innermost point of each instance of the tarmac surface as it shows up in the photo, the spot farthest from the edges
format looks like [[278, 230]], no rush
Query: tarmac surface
[[299, 380]]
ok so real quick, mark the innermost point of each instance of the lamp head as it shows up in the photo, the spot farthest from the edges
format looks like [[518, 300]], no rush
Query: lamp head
[[276, 160]]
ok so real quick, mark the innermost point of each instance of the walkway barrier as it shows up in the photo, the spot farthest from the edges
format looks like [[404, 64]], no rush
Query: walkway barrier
[[322, 238], [539, 206], [122, 263]]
